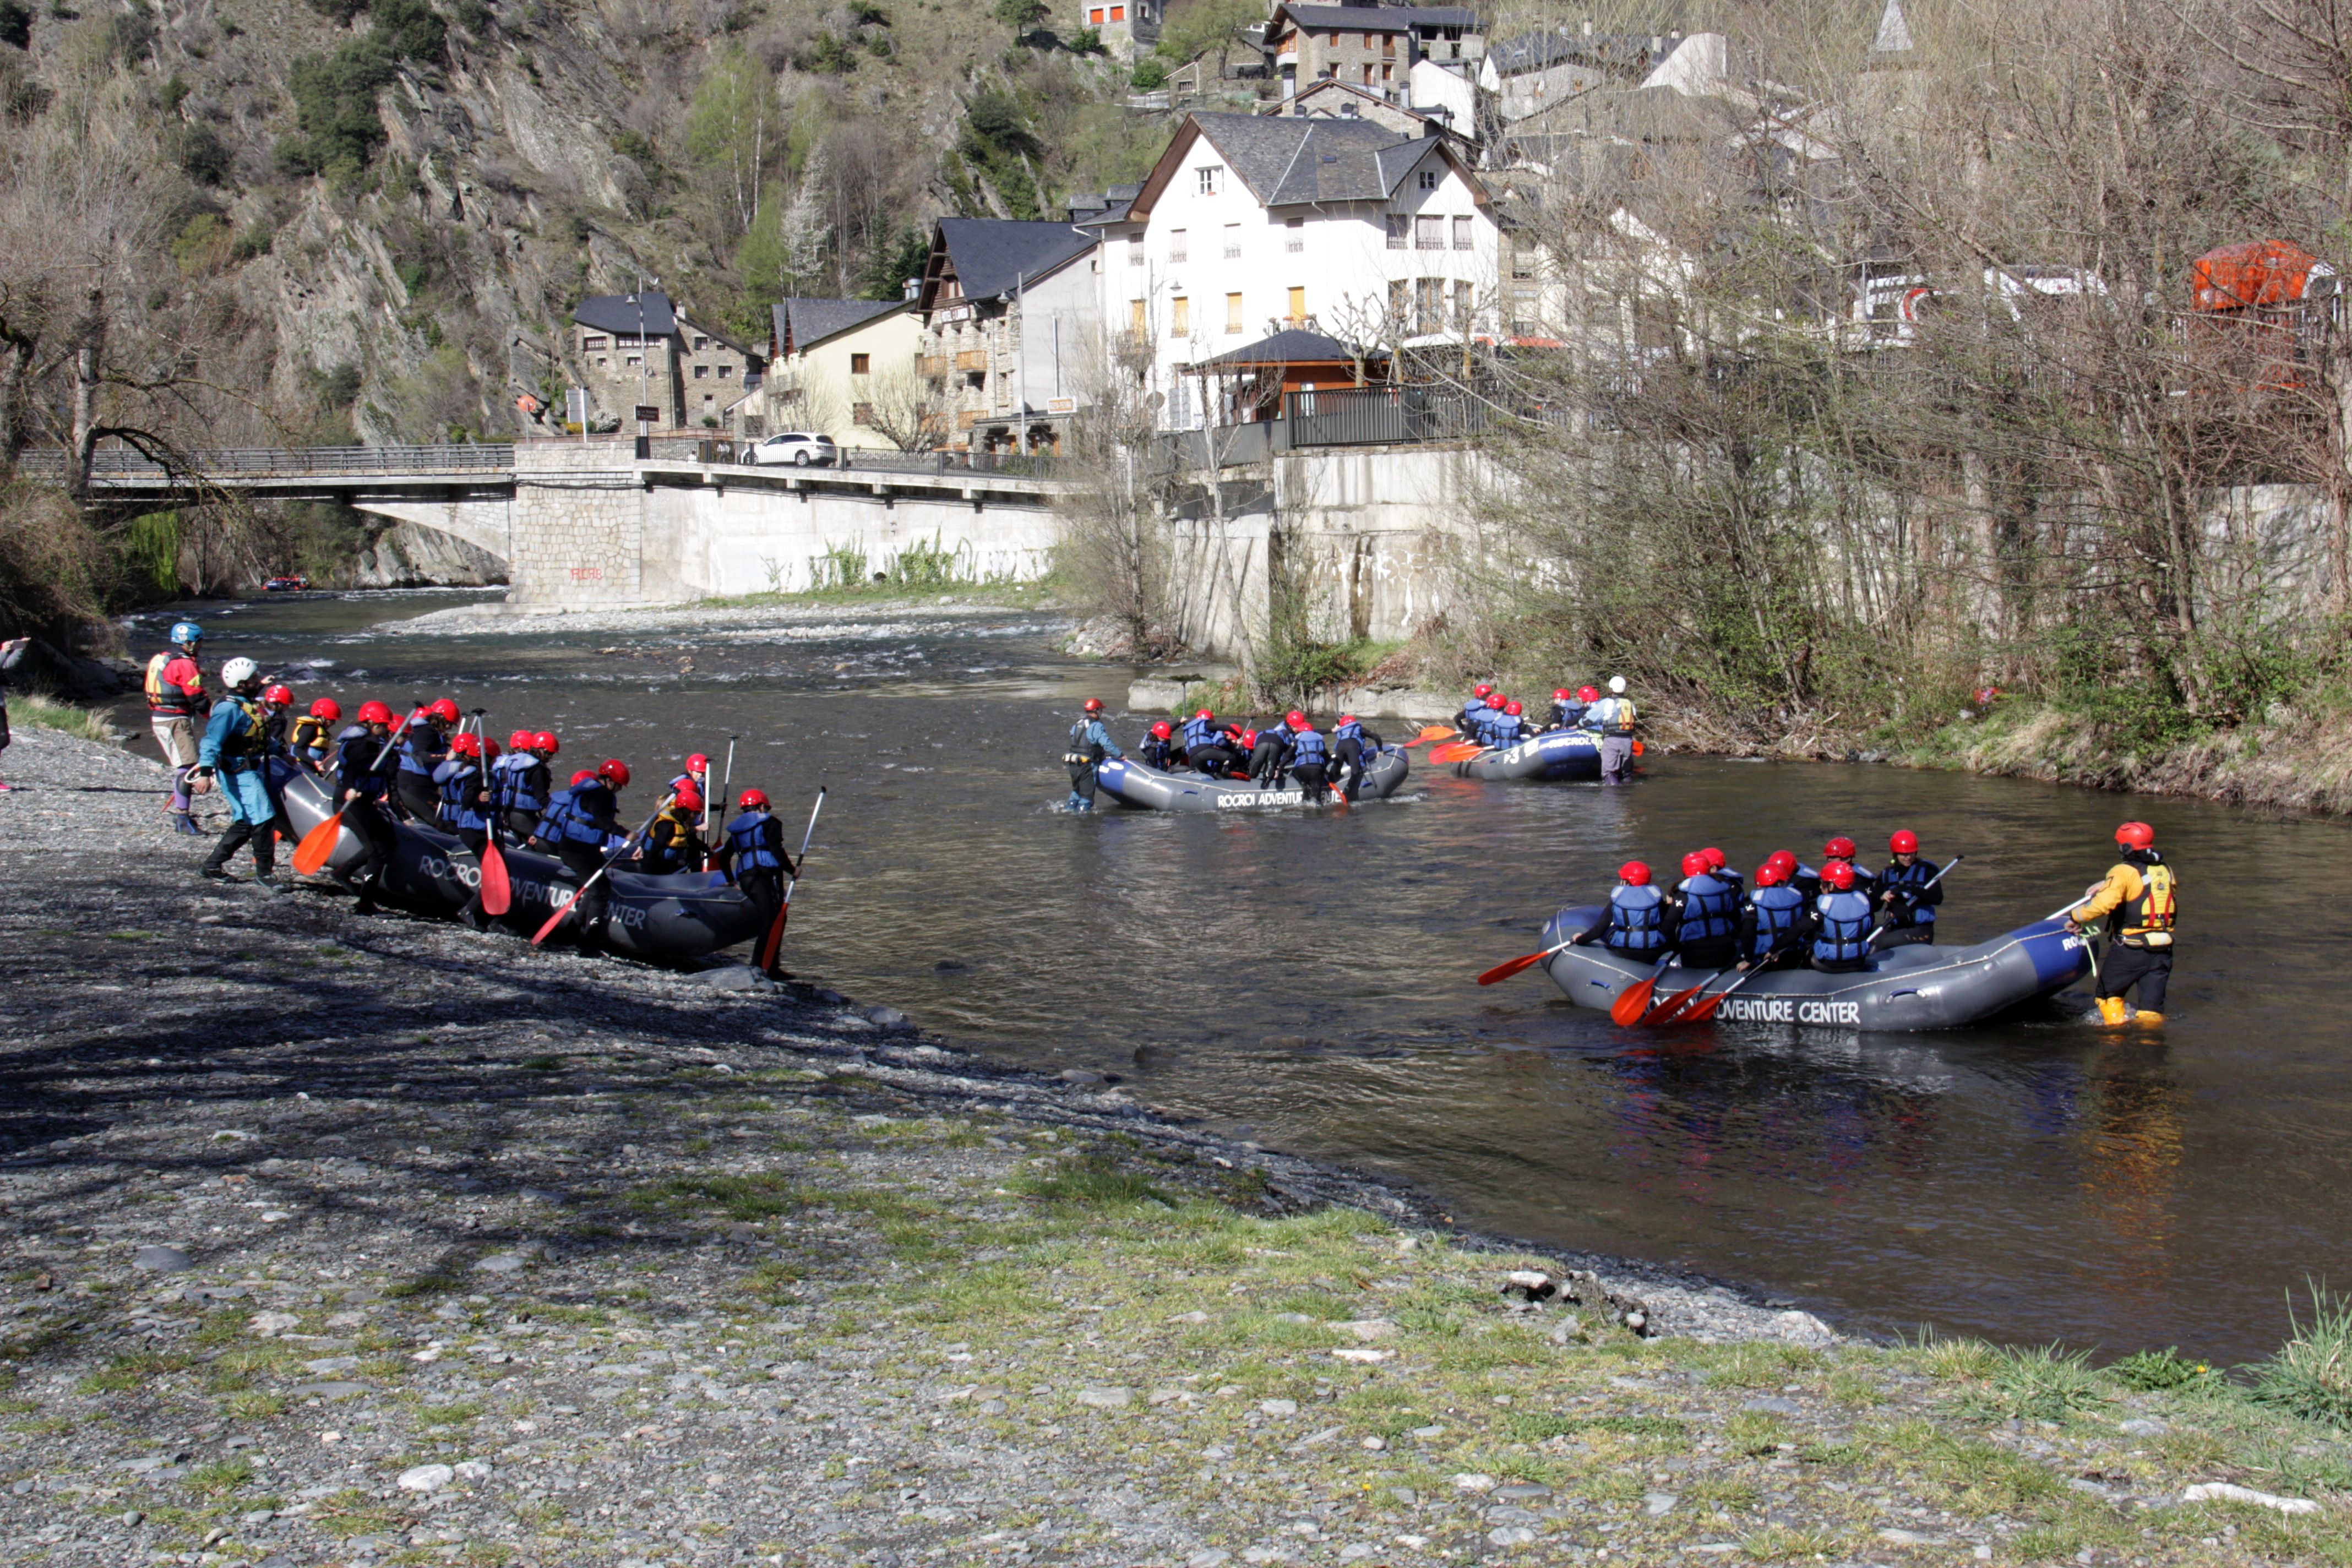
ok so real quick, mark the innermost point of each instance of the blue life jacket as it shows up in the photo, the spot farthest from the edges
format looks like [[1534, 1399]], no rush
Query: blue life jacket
[[506, 779], [1202, 732], [1845, 927], [1779, 911], [457, 779], [527, 785], [1637, 920], [1567, 715], [1503, 730], [1710, 909], [558, 815], [1353, 729], [355, 767], [593, 804], [1307, 750], [1156, 753], [422, 749], [1916, 875], [751, 840]]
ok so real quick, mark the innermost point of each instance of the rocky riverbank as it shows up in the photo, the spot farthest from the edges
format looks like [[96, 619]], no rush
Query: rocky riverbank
[[350, 1241]]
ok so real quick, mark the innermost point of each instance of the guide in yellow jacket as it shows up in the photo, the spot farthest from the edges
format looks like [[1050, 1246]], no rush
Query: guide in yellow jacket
[[2139, 901]]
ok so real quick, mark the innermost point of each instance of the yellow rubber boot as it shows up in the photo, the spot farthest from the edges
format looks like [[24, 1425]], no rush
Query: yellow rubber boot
[[2142, 1015], [2111, 1009]]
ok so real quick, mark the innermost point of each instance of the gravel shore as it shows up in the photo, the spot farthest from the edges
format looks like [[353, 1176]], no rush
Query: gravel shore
[[334, 1240]]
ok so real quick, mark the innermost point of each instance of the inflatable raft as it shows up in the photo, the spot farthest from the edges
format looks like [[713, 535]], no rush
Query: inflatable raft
[[683, 916], [1556, 755], [1906, 989], [1129, 782]]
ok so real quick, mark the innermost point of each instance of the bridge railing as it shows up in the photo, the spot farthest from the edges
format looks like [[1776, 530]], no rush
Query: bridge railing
[[245, 463]]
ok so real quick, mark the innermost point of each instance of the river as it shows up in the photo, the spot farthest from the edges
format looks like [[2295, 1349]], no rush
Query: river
[[1308, 983]]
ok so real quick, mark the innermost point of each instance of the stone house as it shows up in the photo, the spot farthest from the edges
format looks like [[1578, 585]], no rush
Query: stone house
[[636, 348], [1368, 45], [1128, 27], [1011, 317]]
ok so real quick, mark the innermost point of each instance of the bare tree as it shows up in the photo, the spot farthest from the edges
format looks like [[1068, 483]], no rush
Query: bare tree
[[907, 408]]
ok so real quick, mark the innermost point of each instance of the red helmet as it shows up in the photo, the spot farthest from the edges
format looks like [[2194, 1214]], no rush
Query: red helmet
[[1205, 713], [445, 710], [327, 708], [519, 741], [1346, 718], [1560, 696], [491, 748], [1093, 705], [1838, 875], [468, 744], [1905, 842], [282, 696], [2135, 835], [752, 800], [1780, 861], [544, 743], [1481, 689], [586, 775], [1249, 739], [1294, 719], [1588, 694], [1694, 864], [1634, 874], [1163, 730], [613, 772], [697, 763], [1513, 709], [1768, 875], [374, 713], [688, 799], [1839, 849], [1715, 858]]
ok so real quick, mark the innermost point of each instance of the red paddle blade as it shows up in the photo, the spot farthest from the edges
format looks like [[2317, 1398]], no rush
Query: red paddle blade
[[318, 846], [1455, 751], [553, 922], [1633, 1001], [497, 894], [1434, 732], [772, 943], [1505, 970], [1702, 1012], [1674, 1004]]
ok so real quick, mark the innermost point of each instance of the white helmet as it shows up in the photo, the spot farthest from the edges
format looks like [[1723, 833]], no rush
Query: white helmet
[[1616, 684], [237, 672]]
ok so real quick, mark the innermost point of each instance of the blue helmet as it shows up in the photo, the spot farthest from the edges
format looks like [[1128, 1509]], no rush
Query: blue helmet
[[187, 632]]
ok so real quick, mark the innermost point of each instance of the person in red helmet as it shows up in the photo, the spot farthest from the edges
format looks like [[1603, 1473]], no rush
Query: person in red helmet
[[579, 824], [1841, 847], [1906, 902], [1090, 743], [1310, 755], [1353, 748], [525, 785], [1567, 709], [311, 737], [1638, 922], [363, 790], [1268, 754], [1205, 747], [696, 776], [674, 842], [467, 807], [1842, 921], [423, 748], [1483, 705], [1774, 923], [1719, 863], [1159, 748], [2140, 898], [1706, 916], [755, 856]]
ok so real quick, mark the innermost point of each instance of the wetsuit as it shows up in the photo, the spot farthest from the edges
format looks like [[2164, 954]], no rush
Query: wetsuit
[[1205, 748], [755, 856], [1309, 762], [366, 813], [2141, 893], [1706, 927], [577, 823], [464, 809], [423, 748], [1351, 747], [671, 845], [1268, 757]]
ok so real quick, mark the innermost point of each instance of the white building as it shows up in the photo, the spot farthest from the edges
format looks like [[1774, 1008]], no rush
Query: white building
[[1250, 226]]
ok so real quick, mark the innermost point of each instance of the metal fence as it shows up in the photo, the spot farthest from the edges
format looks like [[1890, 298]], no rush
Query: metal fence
[[1356, 416], [245, 463]]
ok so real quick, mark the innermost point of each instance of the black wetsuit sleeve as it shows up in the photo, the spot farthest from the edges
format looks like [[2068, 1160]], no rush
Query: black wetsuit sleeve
[[1746, 936], [1596, 931]]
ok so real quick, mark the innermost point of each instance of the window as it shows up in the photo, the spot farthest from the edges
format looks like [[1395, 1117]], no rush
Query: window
[[633, 360], [1429, 178], [861, 364], [1348, 111], [1397, 222], [701, 343], [1177, 255], [1399, 302], [1179, 317], [1135, 250], [1211, 179], [1118, 13], [1464, 307], [1095, 17], [861, 413], [1462, 234], [1233, 312], [1135, 318], [1388, 73], [1372, 42], [1298, 306], [1294, 236], [702, 372], [1368, 75], [603, 365], [593, 343], [1428, 305], [1387, 45], [725, 371], [1232, 242], [1428, 233]]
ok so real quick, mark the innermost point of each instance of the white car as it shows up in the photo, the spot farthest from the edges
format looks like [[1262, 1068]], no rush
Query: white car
[[802, 448]]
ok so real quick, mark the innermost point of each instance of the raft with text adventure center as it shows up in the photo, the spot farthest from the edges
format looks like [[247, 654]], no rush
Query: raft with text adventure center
[[1555, 754], [689, 914], [1131, 783], [1902, 989]]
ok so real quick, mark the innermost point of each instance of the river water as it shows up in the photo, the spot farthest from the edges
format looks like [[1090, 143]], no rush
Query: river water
[[1308, 983]]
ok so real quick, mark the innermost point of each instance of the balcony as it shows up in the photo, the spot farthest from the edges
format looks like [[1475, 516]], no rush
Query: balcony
[[933, 364], [972, 359]]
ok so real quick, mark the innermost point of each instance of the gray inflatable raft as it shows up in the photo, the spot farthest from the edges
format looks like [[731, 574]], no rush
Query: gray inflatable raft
[[685, 915], [1129, 782], [1905, 989], [1555, 754]]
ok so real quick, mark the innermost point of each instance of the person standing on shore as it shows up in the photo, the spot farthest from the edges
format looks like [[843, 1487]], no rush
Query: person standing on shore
[[235, 753], [1091, 742], [1613, 719], [175, 701], [2140, 894], [12, 653], [363, 789], [754, 854], [422, 752]]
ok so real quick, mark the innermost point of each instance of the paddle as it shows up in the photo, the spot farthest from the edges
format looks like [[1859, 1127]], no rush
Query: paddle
[[497, 892], [774, 941], [1634, 1002], [572, 903], [318, 845], [1885, 920], [1455, 751], [1664, 1013], [1704, 1010], [1505, 969], [1433, 732]]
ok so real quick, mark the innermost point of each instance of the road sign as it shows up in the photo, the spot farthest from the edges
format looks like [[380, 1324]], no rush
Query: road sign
[[647, 414]]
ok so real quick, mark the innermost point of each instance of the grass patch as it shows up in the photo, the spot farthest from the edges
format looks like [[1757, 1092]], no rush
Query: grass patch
[[2047, 1384], [124, 1374], [221, 1478], [40, 713], [2310, 1375], [1091, 1183], [251, 1407], [541, 1064], [1533, 1426], [2159, 1371], [761, 1195], [448, 1415]]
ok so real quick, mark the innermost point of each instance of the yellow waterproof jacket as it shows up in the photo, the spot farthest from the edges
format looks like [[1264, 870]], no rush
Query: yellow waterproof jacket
[[2142, 901]]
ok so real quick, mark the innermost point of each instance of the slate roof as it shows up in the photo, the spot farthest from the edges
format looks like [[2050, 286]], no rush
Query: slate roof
[[1383, 18], [992, 254], [1291, 347], [1627, 52], [1287, 160], [618, 313], [802, 322], [1109, 207]]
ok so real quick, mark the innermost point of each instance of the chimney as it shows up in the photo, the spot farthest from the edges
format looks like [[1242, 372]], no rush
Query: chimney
[[912, 288]]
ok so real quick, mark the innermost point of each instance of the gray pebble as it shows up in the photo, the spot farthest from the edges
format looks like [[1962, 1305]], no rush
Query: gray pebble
[[162, 1259]]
